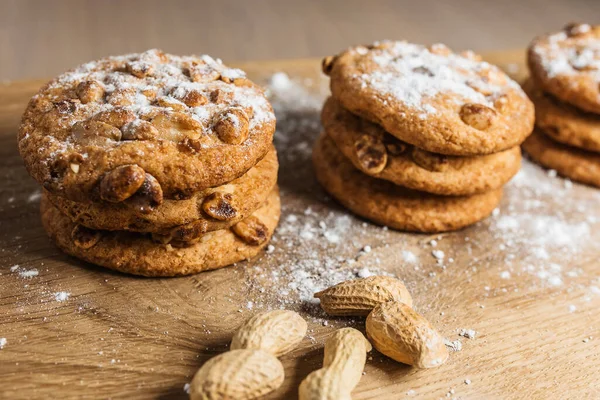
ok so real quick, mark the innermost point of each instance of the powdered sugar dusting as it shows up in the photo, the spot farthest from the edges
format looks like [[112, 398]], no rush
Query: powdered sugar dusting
[[564, 55], [416, 75]]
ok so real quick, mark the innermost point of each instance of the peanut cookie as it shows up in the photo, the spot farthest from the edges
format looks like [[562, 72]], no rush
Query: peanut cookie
[[432, 98], [567, 65], [381, 155], [151, 125], [570, 162], [208, 210], [394, 206], [136, 253], [563, 122]]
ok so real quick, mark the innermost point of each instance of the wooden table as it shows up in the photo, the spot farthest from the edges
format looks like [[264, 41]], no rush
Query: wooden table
[[526, 280]]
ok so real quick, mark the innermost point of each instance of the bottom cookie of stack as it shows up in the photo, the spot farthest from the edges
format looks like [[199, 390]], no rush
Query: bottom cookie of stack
[[137, 253], [396, 206]]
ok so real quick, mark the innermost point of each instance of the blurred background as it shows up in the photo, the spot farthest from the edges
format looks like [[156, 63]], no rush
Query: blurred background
[[41, 38]]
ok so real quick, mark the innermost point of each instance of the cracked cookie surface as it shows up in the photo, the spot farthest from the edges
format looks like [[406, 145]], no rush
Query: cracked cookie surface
[[381, 155], [150, 125]]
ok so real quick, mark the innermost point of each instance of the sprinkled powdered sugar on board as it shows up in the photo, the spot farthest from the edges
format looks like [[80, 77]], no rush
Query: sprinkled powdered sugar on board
[[3, 343], [319, 246]]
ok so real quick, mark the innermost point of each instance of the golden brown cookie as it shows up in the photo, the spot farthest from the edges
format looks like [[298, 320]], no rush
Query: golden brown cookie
[[563, 122], [381, 155], [150, 125], [432, 98], [570, 162], [136, 253], [566, 64], [391, 205], [208, 210]]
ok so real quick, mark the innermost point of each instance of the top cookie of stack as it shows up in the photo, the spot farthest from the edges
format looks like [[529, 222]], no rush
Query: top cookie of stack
[[565, 88], [155, 144], [445, 125]]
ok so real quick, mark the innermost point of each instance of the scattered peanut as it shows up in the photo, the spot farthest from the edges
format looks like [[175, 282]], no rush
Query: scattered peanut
[[345, 355], [237, 374], [359, 296], [397, 331], [251, 368], [277, 332]]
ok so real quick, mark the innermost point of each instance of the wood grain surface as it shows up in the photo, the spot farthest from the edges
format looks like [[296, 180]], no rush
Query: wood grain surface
[[526, 280], [41, 38]]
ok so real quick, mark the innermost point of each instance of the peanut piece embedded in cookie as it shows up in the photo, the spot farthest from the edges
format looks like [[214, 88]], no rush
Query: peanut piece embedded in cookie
[[85, 238], [327, 64], [251, 231], [371, 153], [148, 196], [218, 206], [170, 102], [89, 91], [121, 183], [140, 69], [193, 98], [116, 117], [139, 130], [232, 126], [430, 161], [94, 132], [199, 71], [477, 116]]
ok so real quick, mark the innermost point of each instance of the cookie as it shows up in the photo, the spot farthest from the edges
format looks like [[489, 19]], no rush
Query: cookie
[[432, 98], [395, 206], [136, 253], [563, 122], [208, 210], [570, 162], [381, 155], [150, 125], [566, 64]]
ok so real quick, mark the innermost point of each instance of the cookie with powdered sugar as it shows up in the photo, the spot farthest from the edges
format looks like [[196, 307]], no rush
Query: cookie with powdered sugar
[[564, 122], [137, 253], [381, 155], [430, 97], [152, 124], [566, 64], [570, 162], [395, 206], [181, 220]]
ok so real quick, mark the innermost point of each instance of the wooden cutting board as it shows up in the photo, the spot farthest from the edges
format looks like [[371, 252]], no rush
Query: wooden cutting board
[[526, 280]]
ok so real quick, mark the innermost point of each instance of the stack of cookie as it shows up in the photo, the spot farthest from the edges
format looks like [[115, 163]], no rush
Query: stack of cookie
[[154, 164], [419, 139], [564, 86]]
